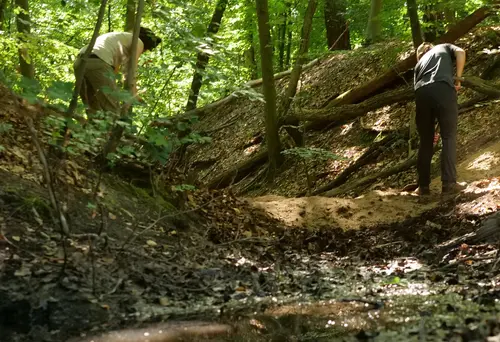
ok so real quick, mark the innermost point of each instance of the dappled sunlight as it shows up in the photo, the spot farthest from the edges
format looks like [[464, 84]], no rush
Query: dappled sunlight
[[346, 128], [484, 162]]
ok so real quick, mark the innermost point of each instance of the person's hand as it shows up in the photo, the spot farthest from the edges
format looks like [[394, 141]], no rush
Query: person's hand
[[436, 138], [458, 85]]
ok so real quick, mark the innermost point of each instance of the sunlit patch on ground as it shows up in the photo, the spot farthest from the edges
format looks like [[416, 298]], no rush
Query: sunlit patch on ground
[[484, 162]]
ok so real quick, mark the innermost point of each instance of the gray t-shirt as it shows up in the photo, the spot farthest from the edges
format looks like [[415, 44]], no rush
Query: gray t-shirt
[[436, 66]]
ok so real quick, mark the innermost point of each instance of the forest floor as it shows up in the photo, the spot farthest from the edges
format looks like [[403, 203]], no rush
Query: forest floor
[[380, 266]]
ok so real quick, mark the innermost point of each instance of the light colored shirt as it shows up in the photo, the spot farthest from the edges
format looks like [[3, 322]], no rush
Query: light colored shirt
[[114, 48]]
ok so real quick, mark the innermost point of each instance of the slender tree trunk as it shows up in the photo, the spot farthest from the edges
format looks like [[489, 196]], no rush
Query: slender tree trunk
[[416, 31], [83, 61], [337, 29], [203, 57], [23, 27], [110, 27], [282, 42], [296, 72], [250, 62], [288, 57], [3, 7], [130, 15], [117, 132], [271, 120], [374, 28]]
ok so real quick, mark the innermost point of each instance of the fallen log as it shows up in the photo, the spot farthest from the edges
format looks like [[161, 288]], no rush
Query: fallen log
[[479, 85], [400, 167], [342, 114], [371, 154], [237, 173], [359, 93]]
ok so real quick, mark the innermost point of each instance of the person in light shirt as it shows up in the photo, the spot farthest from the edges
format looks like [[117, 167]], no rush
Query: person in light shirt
[[110, 55]]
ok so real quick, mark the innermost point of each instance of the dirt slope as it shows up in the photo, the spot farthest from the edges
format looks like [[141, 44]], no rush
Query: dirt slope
[[378, 206]]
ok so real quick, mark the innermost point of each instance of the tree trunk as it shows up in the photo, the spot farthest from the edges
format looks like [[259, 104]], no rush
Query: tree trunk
[[416, 31], [282, 41], [3, 6], [250, 62], [203, 57], [117, 132], [23, 23], [337, 30], [374, 28], [433, 18], [269, 89], [110, 27], [81, 69], [375, 85], [297, 71], [130, 15], [288, 56]]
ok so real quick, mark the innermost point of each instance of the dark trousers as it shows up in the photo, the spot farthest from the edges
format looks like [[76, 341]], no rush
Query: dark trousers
[[437, 101]]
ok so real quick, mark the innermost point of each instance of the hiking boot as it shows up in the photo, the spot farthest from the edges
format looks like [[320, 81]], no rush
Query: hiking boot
[[453, 188], [423, 191]]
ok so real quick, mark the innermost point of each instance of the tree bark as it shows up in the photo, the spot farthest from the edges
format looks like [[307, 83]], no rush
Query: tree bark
[[481, 86], [416, 31], [269, 89], [23, 23], [130, 15], [3, 6], [297, 71], [375, 85], [81, 70], [203, 57], [117, 131], [337, 30], [374, 28]]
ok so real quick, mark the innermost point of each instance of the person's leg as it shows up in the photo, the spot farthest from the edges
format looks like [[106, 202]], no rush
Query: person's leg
[[448, 117], [425, 127], [100, 78]]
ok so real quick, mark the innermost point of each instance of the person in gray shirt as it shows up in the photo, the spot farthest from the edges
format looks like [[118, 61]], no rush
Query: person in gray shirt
[[436, 98]]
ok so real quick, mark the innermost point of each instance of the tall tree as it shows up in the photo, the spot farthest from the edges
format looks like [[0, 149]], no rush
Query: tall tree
[[130, 15], [250, 61], [337, 29], [374, 28], [203, 57], [271, 119], [291, 89], [416, 31], [282, 40], [23, 24]]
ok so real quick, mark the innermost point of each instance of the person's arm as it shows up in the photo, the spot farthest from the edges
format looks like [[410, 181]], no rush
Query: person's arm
[[460, 59]]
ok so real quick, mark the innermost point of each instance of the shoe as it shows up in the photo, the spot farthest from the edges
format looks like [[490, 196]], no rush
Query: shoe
[[423, 191], [453, 188]]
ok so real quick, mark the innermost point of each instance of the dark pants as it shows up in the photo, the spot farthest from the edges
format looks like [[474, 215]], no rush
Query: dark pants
[[437, 101]]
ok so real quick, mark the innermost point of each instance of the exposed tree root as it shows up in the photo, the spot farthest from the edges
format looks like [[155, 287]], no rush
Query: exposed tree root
[[371, 154], [237, 173]]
